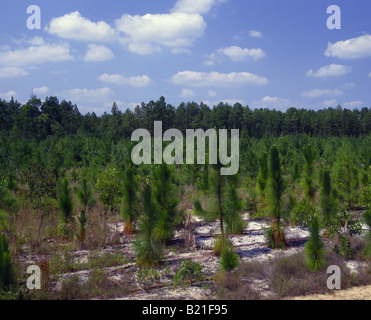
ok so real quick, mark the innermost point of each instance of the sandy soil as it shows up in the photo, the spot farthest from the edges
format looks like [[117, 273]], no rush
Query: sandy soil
[[250, 246], [358, 293]]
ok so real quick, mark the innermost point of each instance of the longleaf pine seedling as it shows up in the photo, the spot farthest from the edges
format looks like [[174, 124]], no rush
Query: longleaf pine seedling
[[147, 247], [130, 208], [223, 204], [315, 247]]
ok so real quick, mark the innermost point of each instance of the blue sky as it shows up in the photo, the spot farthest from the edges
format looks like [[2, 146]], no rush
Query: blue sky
[[261, 53]]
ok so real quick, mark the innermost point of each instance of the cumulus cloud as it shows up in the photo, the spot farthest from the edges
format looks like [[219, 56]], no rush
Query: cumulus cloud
[[8, 95], [187, 93], [238, 54], [231, 102], [315, 93], [255, 34], [88, 95], [195, 6], [12, 72], [175, 30], [353, 104], [40, 91], [97, 53], [350, 49], [211, 93], [203, 79], [118, 79], [36, 41], [75, 27], [332, 70], [273, 102], [234, 53], [36, 55], [329, 103], [148, 33]]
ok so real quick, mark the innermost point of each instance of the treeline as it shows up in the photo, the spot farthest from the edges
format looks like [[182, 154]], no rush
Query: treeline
[[39, 120]]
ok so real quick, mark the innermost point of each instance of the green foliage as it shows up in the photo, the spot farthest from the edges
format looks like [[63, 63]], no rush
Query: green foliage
[[147, 276], [129, 208], [65, 202], [346, 173], [233, 207], [303, 213], [190, 272], [344, 249], [310, 155], [4, 221], [275, 237], [223, 203], [367, 250], [315, 247], [38, 186], [146, 246], [84, 194], [263, 175], [7, 275], [276, 208], [222, 242], [109, 186], [365, 196], [165, 195], [328, 201], [229, 259]]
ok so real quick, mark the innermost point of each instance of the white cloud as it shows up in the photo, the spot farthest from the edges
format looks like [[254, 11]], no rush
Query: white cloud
[[330, 103], [231, 102], [203, 79], [349, 85], [350, 49], [195, 6], [315, 93], [147, 34], [40, 91], [273, 102], [180, 51], [36, 41], [12, 72], [234, 53], [332, 70], [88, 95], [75, 27], [255, 34], [209, 63], [239, 54], [369, 75], [353, 104], [97, 53], [187, 93], [36, 55], [122, 105], [211, 93], [117, 79], [8, 95]]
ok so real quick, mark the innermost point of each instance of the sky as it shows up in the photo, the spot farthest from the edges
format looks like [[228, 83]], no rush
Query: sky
[[261, 53]]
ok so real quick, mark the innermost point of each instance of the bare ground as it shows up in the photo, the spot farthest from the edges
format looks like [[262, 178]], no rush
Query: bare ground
[[250, 246]]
